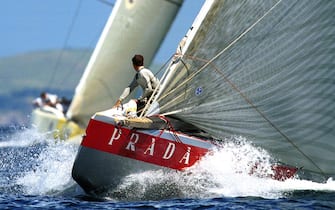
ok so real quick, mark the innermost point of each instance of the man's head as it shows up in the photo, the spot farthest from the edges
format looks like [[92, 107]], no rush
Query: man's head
[[138, 60], [43, 95]]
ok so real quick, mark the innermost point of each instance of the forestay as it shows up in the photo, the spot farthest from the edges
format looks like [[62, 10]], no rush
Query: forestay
[[264, 70]]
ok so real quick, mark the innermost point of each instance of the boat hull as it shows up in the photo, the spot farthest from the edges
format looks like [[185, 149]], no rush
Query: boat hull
[[108, 153], [97, 171], [52, 122]]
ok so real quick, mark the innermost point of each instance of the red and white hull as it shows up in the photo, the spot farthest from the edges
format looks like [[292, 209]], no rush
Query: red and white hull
[[109, 152]]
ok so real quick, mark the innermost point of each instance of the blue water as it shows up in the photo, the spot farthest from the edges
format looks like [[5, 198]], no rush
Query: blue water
[[35, 173]]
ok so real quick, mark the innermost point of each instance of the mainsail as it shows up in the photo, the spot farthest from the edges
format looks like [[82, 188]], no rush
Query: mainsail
[[133, 27], [264, 70]]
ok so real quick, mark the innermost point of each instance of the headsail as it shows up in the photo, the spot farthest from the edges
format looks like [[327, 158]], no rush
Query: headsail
[[133, 27], [265, 70]]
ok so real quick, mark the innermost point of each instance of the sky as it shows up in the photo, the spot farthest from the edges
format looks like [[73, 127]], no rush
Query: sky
[[35, 25]]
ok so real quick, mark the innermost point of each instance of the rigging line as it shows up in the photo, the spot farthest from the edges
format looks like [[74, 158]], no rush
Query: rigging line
[[174, 59], [165, 64], [185, 92], [263, 115], [210, 62], [85, 56], [81, 62], [258, 110], [244, 33], [157, 88], [190, 77], [229, 46], [187, 70], [60, 55], [106, 2]]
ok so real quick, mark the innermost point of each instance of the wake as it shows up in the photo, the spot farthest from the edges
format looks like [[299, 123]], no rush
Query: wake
[[225, 173], [36, 165]]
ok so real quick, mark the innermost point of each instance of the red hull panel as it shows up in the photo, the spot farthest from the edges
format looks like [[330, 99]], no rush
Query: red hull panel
[[169, 152]]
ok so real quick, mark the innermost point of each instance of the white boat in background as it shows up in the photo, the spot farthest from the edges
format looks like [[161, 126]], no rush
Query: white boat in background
[[133, 27], [260, 69]]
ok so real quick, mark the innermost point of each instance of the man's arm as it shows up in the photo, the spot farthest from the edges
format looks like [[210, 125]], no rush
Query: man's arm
[[126, 92]]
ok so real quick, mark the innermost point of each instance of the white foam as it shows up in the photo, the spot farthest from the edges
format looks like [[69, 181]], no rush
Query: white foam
[[52, 173], [224, 173], [24, 138]]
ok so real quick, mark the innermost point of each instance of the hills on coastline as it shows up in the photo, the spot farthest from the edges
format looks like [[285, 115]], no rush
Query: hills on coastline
[[24, 76]]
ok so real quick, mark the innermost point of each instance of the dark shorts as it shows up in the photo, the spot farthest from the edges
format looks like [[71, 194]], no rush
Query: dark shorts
[[140, 105]]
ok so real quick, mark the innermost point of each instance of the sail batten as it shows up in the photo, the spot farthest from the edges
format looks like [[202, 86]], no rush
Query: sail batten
[[265, 70]]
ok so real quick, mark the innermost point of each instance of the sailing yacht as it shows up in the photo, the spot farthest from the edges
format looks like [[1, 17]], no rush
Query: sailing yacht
[[128, 31], [260, 69]]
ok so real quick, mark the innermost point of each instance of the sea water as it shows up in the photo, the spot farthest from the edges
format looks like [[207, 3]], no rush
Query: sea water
[[35, 172]]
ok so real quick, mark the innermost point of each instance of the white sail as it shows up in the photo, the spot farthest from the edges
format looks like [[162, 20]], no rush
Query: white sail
[[264, 70], [134, 27]]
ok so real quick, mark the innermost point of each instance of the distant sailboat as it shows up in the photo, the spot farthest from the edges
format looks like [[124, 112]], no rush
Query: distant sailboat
[[130, 29], [261, 69]]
